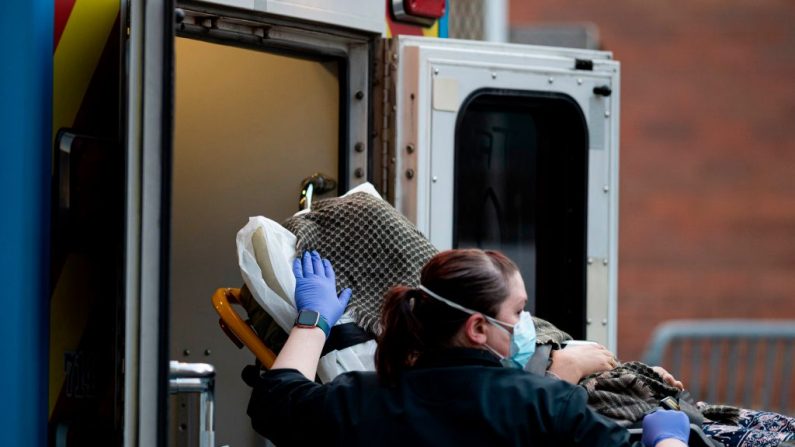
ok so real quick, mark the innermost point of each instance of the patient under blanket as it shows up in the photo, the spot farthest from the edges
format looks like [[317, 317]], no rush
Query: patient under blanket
[[372, 248]]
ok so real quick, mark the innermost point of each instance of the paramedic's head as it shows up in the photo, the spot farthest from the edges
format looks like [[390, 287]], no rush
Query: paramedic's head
[[466, 298]]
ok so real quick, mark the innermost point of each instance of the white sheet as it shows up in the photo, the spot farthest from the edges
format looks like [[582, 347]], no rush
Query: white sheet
[[265, 249]]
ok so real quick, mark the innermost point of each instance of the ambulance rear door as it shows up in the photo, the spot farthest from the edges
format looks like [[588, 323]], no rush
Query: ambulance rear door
[[232, 107], [515, 148], [147, 94]]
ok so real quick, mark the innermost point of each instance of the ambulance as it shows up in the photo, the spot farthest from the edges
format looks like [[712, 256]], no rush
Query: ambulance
[[174, 121]]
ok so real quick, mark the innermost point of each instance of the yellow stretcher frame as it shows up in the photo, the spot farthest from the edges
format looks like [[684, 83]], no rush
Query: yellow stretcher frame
[[239, 331]]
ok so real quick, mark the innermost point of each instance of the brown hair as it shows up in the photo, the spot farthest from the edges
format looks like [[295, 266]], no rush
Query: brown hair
[[413, 323]]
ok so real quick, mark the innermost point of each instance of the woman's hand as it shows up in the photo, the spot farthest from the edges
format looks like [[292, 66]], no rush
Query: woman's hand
[[665, 428], [316, 288], [667, 377], [575, 362]]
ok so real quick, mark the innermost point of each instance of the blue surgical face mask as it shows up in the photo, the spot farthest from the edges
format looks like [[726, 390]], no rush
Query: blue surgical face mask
[[523, 334]]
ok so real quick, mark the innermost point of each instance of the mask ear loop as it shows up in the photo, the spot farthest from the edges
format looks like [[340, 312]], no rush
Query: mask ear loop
[[493, 321], [446, 301], [501, 324], [494, 351]]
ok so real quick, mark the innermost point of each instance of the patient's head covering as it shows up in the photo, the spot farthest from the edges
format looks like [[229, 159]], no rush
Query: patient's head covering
[[370, 244]]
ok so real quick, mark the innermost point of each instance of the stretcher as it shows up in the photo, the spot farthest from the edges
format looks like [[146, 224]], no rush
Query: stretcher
[[238, 330], [372, 247]]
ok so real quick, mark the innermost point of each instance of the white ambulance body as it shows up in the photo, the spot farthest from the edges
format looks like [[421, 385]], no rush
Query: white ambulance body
[[233, 105]]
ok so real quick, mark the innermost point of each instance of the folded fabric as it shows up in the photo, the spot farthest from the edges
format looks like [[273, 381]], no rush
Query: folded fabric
[[371, 246], [629, 391], [548, 333]]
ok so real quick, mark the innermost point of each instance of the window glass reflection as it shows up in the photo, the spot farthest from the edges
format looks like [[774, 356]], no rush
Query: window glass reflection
[[521, 188]]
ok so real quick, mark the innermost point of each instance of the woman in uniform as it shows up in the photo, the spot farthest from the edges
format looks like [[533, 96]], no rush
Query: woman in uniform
[[449, 369]]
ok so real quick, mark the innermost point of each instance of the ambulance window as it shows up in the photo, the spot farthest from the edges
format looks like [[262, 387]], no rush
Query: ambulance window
[[521, 165]]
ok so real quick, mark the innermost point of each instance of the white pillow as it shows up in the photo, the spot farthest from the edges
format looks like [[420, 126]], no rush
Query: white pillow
[[265, 252]]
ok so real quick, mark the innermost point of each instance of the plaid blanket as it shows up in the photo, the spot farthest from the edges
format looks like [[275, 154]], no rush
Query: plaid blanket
[[371, 246], [546, 332], [629, 391]]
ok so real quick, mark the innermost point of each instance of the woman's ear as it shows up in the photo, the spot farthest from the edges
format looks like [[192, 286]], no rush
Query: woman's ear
[[475, 330]]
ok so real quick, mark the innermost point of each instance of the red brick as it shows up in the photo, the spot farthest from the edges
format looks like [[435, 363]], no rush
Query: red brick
[[707, 212]]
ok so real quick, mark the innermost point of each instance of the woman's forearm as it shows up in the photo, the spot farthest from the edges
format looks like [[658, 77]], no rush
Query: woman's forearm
[[302, 351]]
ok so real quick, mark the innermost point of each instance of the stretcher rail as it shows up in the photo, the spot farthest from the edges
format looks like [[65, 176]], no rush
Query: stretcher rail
[[239, 331]]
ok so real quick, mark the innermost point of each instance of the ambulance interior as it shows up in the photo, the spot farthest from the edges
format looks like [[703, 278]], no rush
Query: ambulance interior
[[249, 126]]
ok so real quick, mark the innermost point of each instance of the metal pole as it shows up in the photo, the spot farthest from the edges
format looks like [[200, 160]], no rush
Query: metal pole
[[495, 20]]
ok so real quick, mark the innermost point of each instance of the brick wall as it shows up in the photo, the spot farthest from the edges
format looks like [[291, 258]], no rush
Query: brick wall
[[707, 220]]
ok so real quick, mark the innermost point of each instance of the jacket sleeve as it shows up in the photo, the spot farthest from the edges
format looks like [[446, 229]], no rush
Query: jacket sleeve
[[587, 427], [286, 407]]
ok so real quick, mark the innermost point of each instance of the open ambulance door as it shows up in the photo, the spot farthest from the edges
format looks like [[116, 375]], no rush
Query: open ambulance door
[[515, 148], [148, 98], [231, 108]]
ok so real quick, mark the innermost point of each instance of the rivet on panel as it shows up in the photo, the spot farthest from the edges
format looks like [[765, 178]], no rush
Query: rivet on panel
[[579, 81], [551, 80], [359, 172], [607, 114], [604, 261], [207, 352], [436, 71], [604, 322], [359, 147], [410, 148], [605, 188], [359, 95], [186, 352], [493, 75], [410, 173], [588, 322], [435, 178], [590, 261]]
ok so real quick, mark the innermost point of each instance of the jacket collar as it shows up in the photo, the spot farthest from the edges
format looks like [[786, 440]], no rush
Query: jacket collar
[[457, 357]]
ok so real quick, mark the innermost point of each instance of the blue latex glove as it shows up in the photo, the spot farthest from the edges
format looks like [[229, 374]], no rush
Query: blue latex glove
[[316, 287], [665, 424]]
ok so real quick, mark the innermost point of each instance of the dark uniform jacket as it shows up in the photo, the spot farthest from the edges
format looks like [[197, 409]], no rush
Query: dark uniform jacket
[[458, 397]]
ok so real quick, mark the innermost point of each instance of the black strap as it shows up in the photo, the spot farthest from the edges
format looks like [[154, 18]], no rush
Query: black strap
[[540, 360], [344, 336]]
